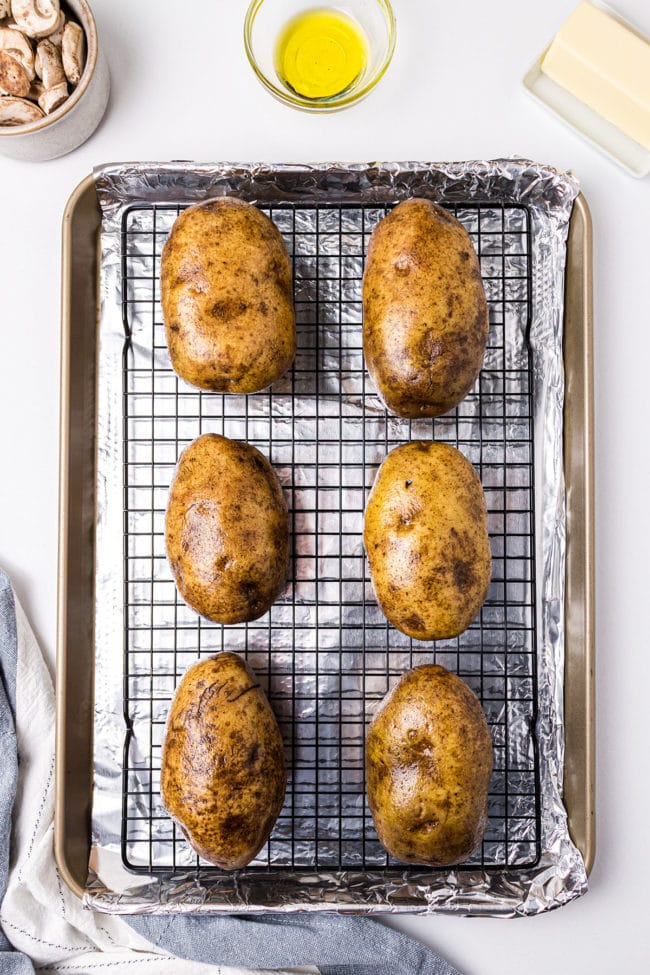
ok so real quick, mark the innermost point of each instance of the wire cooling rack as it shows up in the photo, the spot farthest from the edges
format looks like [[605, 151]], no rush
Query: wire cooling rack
[[324, 651]]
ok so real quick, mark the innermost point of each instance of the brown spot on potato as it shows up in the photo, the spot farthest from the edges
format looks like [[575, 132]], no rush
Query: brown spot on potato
[[228, 309], [430, 348], [414, 622], [464, 576], [428, 825], [251, 593]]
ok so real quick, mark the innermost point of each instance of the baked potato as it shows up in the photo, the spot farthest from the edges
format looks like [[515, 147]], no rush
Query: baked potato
[[222, 777], [425, 534], [226, 289], [425, 317], [227, 530], [428, 766]]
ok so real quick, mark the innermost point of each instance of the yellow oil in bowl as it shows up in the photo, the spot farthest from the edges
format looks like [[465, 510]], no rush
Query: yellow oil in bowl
[[321, 53]]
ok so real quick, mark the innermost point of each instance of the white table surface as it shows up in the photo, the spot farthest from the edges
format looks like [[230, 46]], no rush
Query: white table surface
[[453, 92]]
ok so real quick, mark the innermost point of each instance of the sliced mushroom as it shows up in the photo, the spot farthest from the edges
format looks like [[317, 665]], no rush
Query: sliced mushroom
[[18, 111], [5, 9], [13, 77], [53, 97], [73, 52], [15, 43], [36, 18], [50, 67], [48, 64], [35, 91], [56, 36]]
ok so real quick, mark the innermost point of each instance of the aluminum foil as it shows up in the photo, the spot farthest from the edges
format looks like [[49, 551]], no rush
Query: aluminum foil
[[130, 707]]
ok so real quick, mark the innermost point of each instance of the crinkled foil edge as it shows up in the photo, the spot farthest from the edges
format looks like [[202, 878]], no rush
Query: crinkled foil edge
[[560, 875]]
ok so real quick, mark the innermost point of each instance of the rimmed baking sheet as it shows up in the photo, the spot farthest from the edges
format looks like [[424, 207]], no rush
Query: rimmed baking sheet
[[409, 890]]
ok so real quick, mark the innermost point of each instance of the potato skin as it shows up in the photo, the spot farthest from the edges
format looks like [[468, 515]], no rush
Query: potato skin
[[428, 766], [227, 298], [425, 317], [227, 530], [223, 778], [425, 533]]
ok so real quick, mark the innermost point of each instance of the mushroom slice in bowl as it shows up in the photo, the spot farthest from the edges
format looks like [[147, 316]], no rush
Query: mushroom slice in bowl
[[13, 77], [18, 111], [36, 18], [15, 43]]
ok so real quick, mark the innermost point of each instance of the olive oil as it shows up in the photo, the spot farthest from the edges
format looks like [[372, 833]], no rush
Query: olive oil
[[321, 53]]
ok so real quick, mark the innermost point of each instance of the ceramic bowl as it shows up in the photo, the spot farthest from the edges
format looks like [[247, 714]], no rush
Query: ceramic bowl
[[78, 117]]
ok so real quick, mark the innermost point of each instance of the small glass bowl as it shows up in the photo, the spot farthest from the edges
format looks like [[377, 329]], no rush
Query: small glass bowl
[[265, 21]]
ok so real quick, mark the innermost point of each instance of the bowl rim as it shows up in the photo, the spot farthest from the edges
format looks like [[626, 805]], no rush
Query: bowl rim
[[89, 26], [331, 103]]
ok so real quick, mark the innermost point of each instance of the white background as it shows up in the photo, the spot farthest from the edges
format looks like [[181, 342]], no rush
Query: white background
[[182, 89]]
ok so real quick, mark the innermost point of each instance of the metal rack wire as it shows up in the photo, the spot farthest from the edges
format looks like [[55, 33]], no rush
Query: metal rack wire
[[324, 651]]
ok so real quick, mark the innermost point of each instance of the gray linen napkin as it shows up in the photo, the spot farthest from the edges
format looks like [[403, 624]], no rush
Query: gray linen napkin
[[337, 945], [10, 961]]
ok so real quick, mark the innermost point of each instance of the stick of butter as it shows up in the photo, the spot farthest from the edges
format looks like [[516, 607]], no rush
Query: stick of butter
[[606, 65]]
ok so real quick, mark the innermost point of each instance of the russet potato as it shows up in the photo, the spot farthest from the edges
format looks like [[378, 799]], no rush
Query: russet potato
[[223, 778], [425, 317], [226, 288], [428, 765], [227, 530], [425, 533]]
